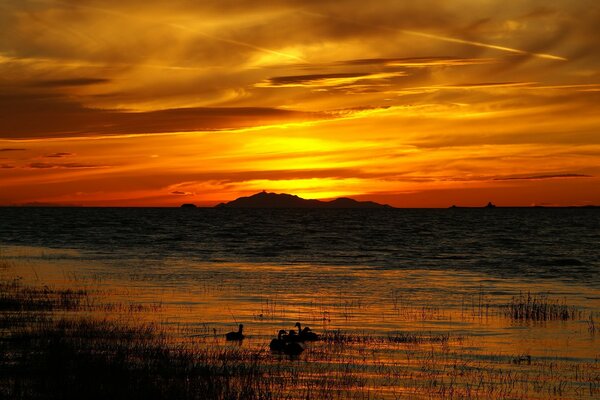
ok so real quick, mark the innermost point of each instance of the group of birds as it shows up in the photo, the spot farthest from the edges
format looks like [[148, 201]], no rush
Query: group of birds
[[290, 343]]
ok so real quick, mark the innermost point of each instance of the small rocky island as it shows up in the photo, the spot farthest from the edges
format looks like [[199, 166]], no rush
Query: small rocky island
[[284, 200]]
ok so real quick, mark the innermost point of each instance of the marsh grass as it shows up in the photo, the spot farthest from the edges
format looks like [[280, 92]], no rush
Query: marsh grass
[[60, 344], [103, 359], [528, 307], [74, 357], [339, 337], [16, 297]]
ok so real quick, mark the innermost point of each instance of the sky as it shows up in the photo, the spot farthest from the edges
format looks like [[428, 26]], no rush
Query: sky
[[411, 103]]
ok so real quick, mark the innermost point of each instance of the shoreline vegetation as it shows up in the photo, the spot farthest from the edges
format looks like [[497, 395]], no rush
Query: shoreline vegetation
[[74, 343]]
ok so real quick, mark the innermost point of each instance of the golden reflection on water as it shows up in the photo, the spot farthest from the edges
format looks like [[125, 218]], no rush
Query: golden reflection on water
[[403, 325]]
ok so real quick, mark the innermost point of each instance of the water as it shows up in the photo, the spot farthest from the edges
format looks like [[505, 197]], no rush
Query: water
[[378, 273], [561, 244]]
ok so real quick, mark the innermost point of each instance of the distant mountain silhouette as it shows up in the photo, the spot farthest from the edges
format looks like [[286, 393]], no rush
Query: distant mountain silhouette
[[284, 200]]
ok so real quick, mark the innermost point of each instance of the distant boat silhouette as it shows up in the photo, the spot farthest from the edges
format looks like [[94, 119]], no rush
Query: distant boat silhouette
[[284, 200], [489, 205], [306, 335], [235, 335], [278, 344]]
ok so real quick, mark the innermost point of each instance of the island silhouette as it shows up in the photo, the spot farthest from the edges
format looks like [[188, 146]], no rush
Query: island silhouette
[[283, 200]]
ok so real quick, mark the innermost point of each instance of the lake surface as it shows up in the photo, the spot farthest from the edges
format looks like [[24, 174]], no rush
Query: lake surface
[[370, 273], [559, 244]]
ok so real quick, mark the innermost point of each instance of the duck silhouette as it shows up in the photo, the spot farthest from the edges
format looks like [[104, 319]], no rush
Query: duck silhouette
[[293, 348], [278, 344], [287, 344], [230, 336], [306, 335], [292, 337]]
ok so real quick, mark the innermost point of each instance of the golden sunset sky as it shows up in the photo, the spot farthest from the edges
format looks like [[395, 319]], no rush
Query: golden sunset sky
[[411, 103]]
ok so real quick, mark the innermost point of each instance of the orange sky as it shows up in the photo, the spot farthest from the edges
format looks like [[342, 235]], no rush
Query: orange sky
[[415, 104]]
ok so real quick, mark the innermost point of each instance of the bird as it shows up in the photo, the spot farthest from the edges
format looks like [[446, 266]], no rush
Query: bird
[[306, 335], [293, 348], [278, 344], [287, 344], [235, 335], [292, 337]]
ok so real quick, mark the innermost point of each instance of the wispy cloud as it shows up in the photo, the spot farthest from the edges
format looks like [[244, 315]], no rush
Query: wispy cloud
[[59, 155], [40, 165], [327, 80], [539, 177], [418, 62], [316, 97], [38, 116], [69, 82]]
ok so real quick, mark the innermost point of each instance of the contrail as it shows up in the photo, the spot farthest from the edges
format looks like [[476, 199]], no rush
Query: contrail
[[442, 38], [481, 44], [238, 43]]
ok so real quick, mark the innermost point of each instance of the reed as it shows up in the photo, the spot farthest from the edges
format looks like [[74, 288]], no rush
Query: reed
[[539, 308], [54, 343]]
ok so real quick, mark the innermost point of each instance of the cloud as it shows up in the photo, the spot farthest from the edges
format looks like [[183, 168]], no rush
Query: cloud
[[474, 92], [470, 85], [327, 80], [37, 116], [539, 177], [69, 82], [40, 165], [6, 166], [10, 149], [180, 193], [58, 155], [417, 62]]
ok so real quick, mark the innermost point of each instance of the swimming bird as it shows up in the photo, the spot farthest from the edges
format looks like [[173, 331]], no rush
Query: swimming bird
[[293, 348], [235, 335], [278, 344], [292, 337], [306, 335]]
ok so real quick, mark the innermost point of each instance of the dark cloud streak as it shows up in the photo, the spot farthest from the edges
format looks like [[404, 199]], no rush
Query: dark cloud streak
[[39, 165], [539, 177], [24, 116], [58, 155], [69, 82]]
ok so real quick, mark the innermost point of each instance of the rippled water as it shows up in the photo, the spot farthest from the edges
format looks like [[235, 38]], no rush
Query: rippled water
[[546, 243], [368, 272]]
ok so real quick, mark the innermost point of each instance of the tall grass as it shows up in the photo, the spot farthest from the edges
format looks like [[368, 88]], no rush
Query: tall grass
[[54, 344], [539, 308]]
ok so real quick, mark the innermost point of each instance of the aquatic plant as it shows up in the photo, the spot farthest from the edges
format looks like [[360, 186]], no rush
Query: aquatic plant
[[539, 308]]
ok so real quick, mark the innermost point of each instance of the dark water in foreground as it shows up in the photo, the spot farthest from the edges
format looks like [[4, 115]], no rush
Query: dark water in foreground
[[536, 243], [374, 274]]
